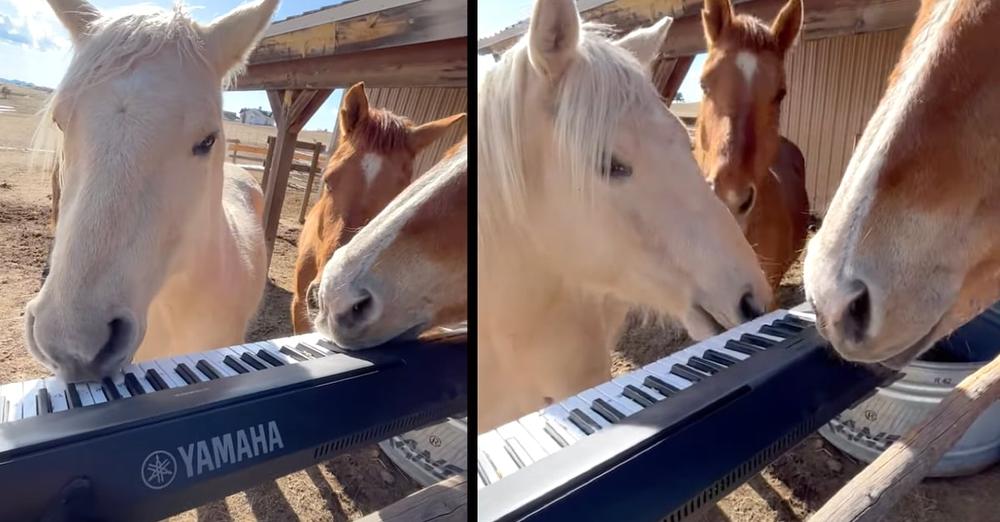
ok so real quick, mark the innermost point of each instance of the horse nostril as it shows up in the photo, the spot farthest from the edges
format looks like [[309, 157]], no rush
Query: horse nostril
[[358, 313], [748, 308], [312, 299], [119, 338], [858, 314]]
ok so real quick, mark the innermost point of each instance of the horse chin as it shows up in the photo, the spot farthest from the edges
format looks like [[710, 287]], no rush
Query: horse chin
[[367, 340], [700, 324]]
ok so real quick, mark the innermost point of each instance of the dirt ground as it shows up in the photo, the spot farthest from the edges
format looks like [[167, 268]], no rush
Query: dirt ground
[[352, 485]]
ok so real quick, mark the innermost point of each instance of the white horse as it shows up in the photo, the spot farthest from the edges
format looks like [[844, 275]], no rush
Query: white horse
[[590, 201], [159, 247]]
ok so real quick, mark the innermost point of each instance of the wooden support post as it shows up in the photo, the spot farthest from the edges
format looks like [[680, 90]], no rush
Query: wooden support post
[[292, 109], [869, 495], [267, 161], [313, 169], [446, 501], [673, 82]]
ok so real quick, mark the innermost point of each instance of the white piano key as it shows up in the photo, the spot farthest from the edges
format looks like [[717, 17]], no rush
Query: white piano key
[[584, 406], [558, 416], [514, 430], [216, 358], [534, 425], [86, 398], [662, 367], [167, 369], [487, 467], [11, 393], [590, 395], [140, 375], [57, 394], [96, 392], [274, 348], [29, 391], [479, 482], [622, 403], [636, 378], [119, 381], [492, 445]]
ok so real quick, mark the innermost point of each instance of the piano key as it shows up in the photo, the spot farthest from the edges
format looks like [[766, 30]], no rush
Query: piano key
[[309, 350], [639, 396], [140, 378], [252, 361], [558, 416], [720, 358], [479, 481], [742, 347], [185, 372], [43, 404], [217, 359], [705, 365], [132, 385], [57, 394], [270, 358], [583, 422], [97, 392], [492, 445], [74, 396], [606, 410], [577, 403], [533, 451], [274, 348], [545, 437], [155, 380], [6, 407], [329, 345], [294, 354], [207, 369], [777, 330], [233, 363], [110, 390], [664, 388], [662, 370], [615, 394], [636, 378], [686, 372], [805, 317], [166, 372], [790, 325], [86, 397], [757, 340], [487, 470]]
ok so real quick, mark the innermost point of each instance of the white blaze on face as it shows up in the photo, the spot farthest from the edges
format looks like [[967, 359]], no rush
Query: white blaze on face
[[747, 63], [371, 164]]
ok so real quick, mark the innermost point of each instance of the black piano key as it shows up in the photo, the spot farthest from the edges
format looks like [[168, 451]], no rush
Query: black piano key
[[248, 358], [705, 366], [663, 387], [185, 372], [292, 353], [326, 343], [555, 435], [742, 347], [110, 390], [269, 357], [686, 372], [231, 362], [777, 331], [606, 410], [638, 396], [797, 320], [155, 380], [309, 350], [789, 325], [74, 396], [757, 340], [719, 357], [513, 454], [583, 422], [132, 385], [43, 402], [206, 368]]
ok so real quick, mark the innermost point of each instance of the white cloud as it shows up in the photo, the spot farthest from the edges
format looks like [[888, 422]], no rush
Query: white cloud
[[32, 24]]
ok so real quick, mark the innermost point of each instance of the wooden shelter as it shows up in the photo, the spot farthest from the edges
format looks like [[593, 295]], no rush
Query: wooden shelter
[[836, 73], [385, 43]]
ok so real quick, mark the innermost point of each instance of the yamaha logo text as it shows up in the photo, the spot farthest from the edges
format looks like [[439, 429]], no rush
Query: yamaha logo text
[[160, 467]]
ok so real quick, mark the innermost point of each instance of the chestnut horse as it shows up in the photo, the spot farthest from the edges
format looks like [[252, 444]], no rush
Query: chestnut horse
[[407, 270], [909, 248], [590, 202], [758, 174], [372, 164], [158, 247]]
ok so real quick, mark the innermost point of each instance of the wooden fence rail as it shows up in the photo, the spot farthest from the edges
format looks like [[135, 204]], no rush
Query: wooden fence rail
[[306, 162]]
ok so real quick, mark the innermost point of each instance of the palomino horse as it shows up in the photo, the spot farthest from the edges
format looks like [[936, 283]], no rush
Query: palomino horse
[[590, 202], [158, 247], [373, 163], [758, 174], [909, 248], [407, 270]]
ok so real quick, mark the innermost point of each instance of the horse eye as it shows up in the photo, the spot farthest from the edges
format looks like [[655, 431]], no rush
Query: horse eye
[[748, 204], [204, 146], [617, 169], [780, 96]]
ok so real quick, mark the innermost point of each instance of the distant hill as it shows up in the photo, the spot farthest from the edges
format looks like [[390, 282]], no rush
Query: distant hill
[[27, 85]]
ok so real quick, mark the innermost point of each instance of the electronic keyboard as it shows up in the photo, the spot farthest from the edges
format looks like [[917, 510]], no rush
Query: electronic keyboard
[[169, 435], [675, 435]]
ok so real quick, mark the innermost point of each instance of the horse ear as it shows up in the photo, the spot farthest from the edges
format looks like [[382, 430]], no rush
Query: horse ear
[[354, 109], [787, 25], [76, 16], [716, 17], [553, 36], [230, 38], [645, 43], [427, 133]]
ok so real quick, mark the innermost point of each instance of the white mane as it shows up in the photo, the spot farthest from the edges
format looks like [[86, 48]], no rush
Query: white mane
[[583, 128]]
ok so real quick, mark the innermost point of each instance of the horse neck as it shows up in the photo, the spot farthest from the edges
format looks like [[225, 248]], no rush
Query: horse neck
[[207, 226]]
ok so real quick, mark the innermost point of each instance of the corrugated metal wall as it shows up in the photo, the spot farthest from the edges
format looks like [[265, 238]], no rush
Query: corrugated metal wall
[[424, 104], [834, 85]]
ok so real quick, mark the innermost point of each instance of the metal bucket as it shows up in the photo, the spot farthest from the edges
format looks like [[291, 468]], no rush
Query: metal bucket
[[868, 428]]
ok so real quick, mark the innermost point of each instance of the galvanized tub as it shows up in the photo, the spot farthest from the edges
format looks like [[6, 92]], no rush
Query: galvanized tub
[[867, 429]]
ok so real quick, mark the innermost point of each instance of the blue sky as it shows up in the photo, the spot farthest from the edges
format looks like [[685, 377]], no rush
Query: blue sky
[[495, 15], [35, 48]]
